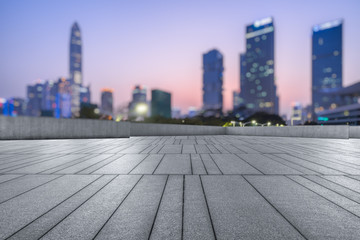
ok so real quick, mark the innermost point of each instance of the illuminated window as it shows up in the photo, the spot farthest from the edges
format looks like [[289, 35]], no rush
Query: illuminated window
[[321, 41], [263, 37], [336, 53]]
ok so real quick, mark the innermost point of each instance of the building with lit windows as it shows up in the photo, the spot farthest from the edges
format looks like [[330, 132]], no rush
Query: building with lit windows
[[75, 68], [257, 81], [107, 101], [160, 104], [326, 65], [213, 83]]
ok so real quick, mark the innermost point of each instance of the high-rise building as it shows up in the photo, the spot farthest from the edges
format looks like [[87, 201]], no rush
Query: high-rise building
[[326, 65], [212, 83], [160, 104], [138, 107], [257, 80], [34, 99], [16, 106], [107, 101], [63, 98], [75, 69]]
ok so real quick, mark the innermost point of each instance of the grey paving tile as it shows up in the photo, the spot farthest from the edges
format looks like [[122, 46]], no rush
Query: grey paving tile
[[171, 149], [187, 148], [149, 164], [96, 166], [46, 222], [345, 181], [232, 164], [312, 166], [20, 211], [342, 201], [168, 222], [88, 161], [197, 164], [8, 177], [202, 149], [88, 219], [174, 164], [239, 212], [135, 216], [209, 164], [23, 184], [197, 223], [314, 216], [45, 165], [266, 165], [122, 165]]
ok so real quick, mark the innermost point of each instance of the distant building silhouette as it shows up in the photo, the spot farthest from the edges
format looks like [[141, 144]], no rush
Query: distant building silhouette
[[34, 100], [160, 104], [138, 107], [107, 101], [326, 65], [257, 81], [75, 69], [213, 83]]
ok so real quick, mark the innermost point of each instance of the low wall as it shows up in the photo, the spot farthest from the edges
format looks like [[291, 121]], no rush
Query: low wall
[[354, 132], [154, 129], [51, 128], [293, 131]]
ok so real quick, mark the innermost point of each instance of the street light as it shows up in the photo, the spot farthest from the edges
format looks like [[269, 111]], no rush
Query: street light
[[252, 122]]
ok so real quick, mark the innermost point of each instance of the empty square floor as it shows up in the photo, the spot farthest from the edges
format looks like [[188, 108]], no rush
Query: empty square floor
[[180, 187]]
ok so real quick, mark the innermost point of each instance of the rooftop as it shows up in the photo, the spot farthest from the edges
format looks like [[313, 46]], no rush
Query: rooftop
[[180, 187]]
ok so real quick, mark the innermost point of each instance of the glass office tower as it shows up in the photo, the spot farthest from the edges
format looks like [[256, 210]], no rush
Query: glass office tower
[[213, 82], [75, 68], [326, 65], [160, 104], [258, 87]]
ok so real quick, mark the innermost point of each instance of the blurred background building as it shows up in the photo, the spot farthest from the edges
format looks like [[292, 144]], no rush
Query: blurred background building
[[160, 104], [257, 81], [213, 83], [326, 65], [107, 102]]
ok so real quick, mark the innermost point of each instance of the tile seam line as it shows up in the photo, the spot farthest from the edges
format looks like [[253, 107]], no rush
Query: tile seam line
[[158, 207], [325, 198], [323, 177], [330, 189], [328, 161], [292, 167], [158, 164], [207, 207], [273, 206], [30, 190], [52, 209], [113, 154], [115, 158], [112, 214]]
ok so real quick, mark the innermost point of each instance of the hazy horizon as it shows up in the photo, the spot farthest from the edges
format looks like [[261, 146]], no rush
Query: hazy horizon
[[160, 44]]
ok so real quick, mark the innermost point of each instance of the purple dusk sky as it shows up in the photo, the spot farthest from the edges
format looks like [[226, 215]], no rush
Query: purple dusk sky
[[160, 44]]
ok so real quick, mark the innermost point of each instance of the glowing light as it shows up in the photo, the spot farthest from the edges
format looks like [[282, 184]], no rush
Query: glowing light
[[96, 111], [141, 108]]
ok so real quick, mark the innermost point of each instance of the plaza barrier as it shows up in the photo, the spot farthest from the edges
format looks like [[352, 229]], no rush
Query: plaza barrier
[[334, 131], [155, 129], [51, 128]]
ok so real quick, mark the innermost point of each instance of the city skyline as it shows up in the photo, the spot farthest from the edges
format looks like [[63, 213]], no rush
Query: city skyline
[[293, 75]]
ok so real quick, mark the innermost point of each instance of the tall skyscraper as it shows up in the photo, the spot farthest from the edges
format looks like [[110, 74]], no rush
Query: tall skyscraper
[[213, 83], [107, 101], [75, 69], [160, 104], [326, 65], [257, 80]]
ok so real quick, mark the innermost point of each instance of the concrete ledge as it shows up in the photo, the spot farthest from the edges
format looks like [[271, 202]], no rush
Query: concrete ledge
[[51, 128], [354, 132], [154, 129], [296, 131]]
